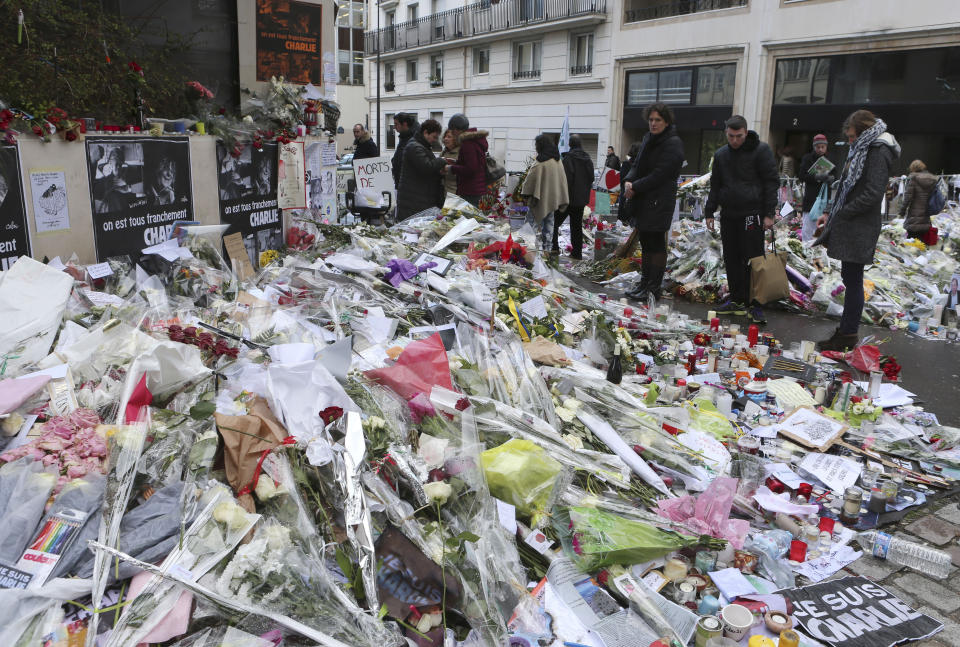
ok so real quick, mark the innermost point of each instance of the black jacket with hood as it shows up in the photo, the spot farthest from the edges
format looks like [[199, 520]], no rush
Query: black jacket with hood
[[744, 181], [421, 182], [654, 174], [364, 147], [402, 140], [578, 168]]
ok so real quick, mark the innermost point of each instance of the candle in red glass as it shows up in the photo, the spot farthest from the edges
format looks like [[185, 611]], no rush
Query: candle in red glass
[[826, 524], [753, 333], [715, 324], [805, 489], [798, 550], [775, 485]]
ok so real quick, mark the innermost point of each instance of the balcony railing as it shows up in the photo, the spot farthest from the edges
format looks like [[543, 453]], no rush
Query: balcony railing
[[640, 10], [526, 74], [484, 17], [581, 69]]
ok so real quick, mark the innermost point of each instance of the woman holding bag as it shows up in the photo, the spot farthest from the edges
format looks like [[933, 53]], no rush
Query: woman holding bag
[[852, 226], [651, 191]]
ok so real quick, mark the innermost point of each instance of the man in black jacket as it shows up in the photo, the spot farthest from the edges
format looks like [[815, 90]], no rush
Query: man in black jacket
[[578, 168], [812, 183], [612, 160], [743, 184], [363, 145], [406, 126]]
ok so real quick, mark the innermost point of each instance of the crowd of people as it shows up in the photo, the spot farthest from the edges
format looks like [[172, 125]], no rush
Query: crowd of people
[[841, 205]]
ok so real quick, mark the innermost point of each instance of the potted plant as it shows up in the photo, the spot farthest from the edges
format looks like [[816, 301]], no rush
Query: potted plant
[[436, 81], [389, 86]]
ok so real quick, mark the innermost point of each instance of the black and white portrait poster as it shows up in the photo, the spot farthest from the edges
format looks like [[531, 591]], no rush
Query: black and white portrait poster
[[138, 188], [14, 237], [321, 183], [855, 612], [248, 198]]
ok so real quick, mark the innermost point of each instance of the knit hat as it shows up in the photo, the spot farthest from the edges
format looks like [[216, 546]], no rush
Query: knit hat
[[819, 139], [458, 121]]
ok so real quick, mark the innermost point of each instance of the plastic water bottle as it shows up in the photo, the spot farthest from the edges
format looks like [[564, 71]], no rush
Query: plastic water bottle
[[929, 561]]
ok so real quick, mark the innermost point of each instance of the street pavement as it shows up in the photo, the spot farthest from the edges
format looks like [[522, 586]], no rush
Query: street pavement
[[931, 370]]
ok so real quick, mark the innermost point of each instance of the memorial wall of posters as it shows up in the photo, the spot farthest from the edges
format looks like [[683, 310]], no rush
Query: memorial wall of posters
[[138, 189], [288, 41], [248, 198], [14, 236]]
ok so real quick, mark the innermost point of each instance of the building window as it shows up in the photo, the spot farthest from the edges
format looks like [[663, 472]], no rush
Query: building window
[[641, 88], [436, 70], [391, 133], [802, 80], [715, 84], [411, 70], [481, 60], [526, 58], [413, 12], [675, 86], [389, 76], [531, 10], [391, 18], [438, 117], [581, 54], [351, 21]]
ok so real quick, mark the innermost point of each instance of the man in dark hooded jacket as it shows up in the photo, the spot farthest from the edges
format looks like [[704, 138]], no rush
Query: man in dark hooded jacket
[[406, 126], [363, 145], [743, 183], [578, 168]]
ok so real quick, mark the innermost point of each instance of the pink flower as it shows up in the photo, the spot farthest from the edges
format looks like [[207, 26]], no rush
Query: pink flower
[[76, 471], [84, 418], [60, 426], [50, 459]]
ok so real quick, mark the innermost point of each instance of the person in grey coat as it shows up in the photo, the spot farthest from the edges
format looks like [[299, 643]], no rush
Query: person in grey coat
[[851, 225], [421, 173]]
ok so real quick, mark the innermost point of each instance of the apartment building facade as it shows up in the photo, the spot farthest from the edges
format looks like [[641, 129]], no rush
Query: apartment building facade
[[514, 67], [793, 68]]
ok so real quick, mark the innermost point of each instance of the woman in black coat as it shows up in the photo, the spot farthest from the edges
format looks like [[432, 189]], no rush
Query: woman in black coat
[[421, 173], [651, 191]]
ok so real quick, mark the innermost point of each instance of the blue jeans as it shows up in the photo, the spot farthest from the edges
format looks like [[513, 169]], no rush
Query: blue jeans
[[852, 276], [544, 230]]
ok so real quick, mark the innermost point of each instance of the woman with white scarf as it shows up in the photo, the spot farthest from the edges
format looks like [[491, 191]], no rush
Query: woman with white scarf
[[851, 225], [545, 190]]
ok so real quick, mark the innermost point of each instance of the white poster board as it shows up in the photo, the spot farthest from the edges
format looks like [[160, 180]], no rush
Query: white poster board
[[49, 190], [374, 176], [291, 177]]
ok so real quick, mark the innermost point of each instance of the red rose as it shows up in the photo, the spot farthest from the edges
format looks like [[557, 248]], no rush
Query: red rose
[[71, 136], [462, 404], [330, 414]]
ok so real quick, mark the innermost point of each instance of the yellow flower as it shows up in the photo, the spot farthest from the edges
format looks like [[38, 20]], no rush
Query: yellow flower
[[269, 256]]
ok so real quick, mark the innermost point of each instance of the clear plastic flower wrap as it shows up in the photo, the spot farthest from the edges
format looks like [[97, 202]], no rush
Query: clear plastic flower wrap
[[25, 485], [272, 573]]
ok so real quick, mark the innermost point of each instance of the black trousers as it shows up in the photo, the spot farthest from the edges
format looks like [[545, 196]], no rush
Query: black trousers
[[742, 238], [852, 276], [653, 260], [576, 229]]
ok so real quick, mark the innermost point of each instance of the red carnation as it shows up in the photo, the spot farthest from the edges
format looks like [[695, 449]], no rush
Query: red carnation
[[462, 404]]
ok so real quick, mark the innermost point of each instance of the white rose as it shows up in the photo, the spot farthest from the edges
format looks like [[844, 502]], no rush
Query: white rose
[[572, 403], [455, 363], [277, 537], [438, 491], [574, 442], [11, 424], [565, 414], [858, 409], [231, 514], [266, 489]]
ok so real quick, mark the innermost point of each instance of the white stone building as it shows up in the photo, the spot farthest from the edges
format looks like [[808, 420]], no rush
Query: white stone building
[[512, 66], [793, 68]]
